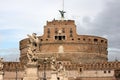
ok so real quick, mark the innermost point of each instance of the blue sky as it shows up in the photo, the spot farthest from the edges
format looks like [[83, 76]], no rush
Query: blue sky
[[21, 17]]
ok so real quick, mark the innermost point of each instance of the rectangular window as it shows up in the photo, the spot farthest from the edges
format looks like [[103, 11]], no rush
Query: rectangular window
[[56, 37], [109, 71], [71, 30], [59, 37]]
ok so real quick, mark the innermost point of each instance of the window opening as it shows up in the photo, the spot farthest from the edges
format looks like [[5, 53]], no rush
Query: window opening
[[59, 37], [78, 38], [104, 71], [109, 71], [71, 30], [95, 40]]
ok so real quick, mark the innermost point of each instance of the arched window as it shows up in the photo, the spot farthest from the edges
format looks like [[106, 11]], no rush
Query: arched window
[[95, 40]]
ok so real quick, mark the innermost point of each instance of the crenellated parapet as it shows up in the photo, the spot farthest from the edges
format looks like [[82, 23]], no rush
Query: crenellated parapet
[[12, 66], [101, 66], [58, 22]]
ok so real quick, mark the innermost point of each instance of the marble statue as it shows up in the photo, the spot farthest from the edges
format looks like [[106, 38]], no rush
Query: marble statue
[[31, 55], [56, 66], [53, 64], [1, 63], [34, 41], [59, 72]]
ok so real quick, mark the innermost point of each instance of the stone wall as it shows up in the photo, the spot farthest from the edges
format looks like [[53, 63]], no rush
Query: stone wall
[[95, 71]]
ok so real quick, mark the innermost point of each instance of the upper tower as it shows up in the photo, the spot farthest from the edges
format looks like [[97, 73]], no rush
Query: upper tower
[[60, 30]]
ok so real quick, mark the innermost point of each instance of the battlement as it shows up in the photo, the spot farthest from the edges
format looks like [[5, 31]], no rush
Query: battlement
[[61, 22], [12, 66]]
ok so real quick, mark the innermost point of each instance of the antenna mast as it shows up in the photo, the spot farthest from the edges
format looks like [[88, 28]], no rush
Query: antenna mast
[[63, 5]]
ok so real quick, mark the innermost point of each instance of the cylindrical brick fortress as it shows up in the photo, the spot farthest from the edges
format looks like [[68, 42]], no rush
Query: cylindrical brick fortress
[[61, 40]]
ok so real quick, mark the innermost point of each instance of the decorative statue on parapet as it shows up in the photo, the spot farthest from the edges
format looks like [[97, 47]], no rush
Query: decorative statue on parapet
[[32, 57], [34, 42], [1, 64], [33, 47], [57, 66], [62, 13]]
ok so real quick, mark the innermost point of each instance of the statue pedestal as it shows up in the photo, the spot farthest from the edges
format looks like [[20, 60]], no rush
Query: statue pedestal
[[1, 75], [62, 76], [54, 76], [31, 72]]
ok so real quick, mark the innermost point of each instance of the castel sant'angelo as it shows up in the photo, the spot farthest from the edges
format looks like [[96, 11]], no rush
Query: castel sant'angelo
[[84, 57]]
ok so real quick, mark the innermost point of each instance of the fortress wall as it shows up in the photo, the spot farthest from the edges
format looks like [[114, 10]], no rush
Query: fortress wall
[[61, 37], [99, 71], [90, 49]]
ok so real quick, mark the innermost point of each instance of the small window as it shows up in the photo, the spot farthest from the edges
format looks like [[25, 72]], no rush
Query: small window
[[78, 38], [109, 71], [80, 69], [104, 71], [106, 42], [60, 37], [63, 37], [95, 40], [72, 39], [46, 39], [102, 41], [89, 39], [56, 37], [71, 30], [58, 78], [83, 39], [41, 39]]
